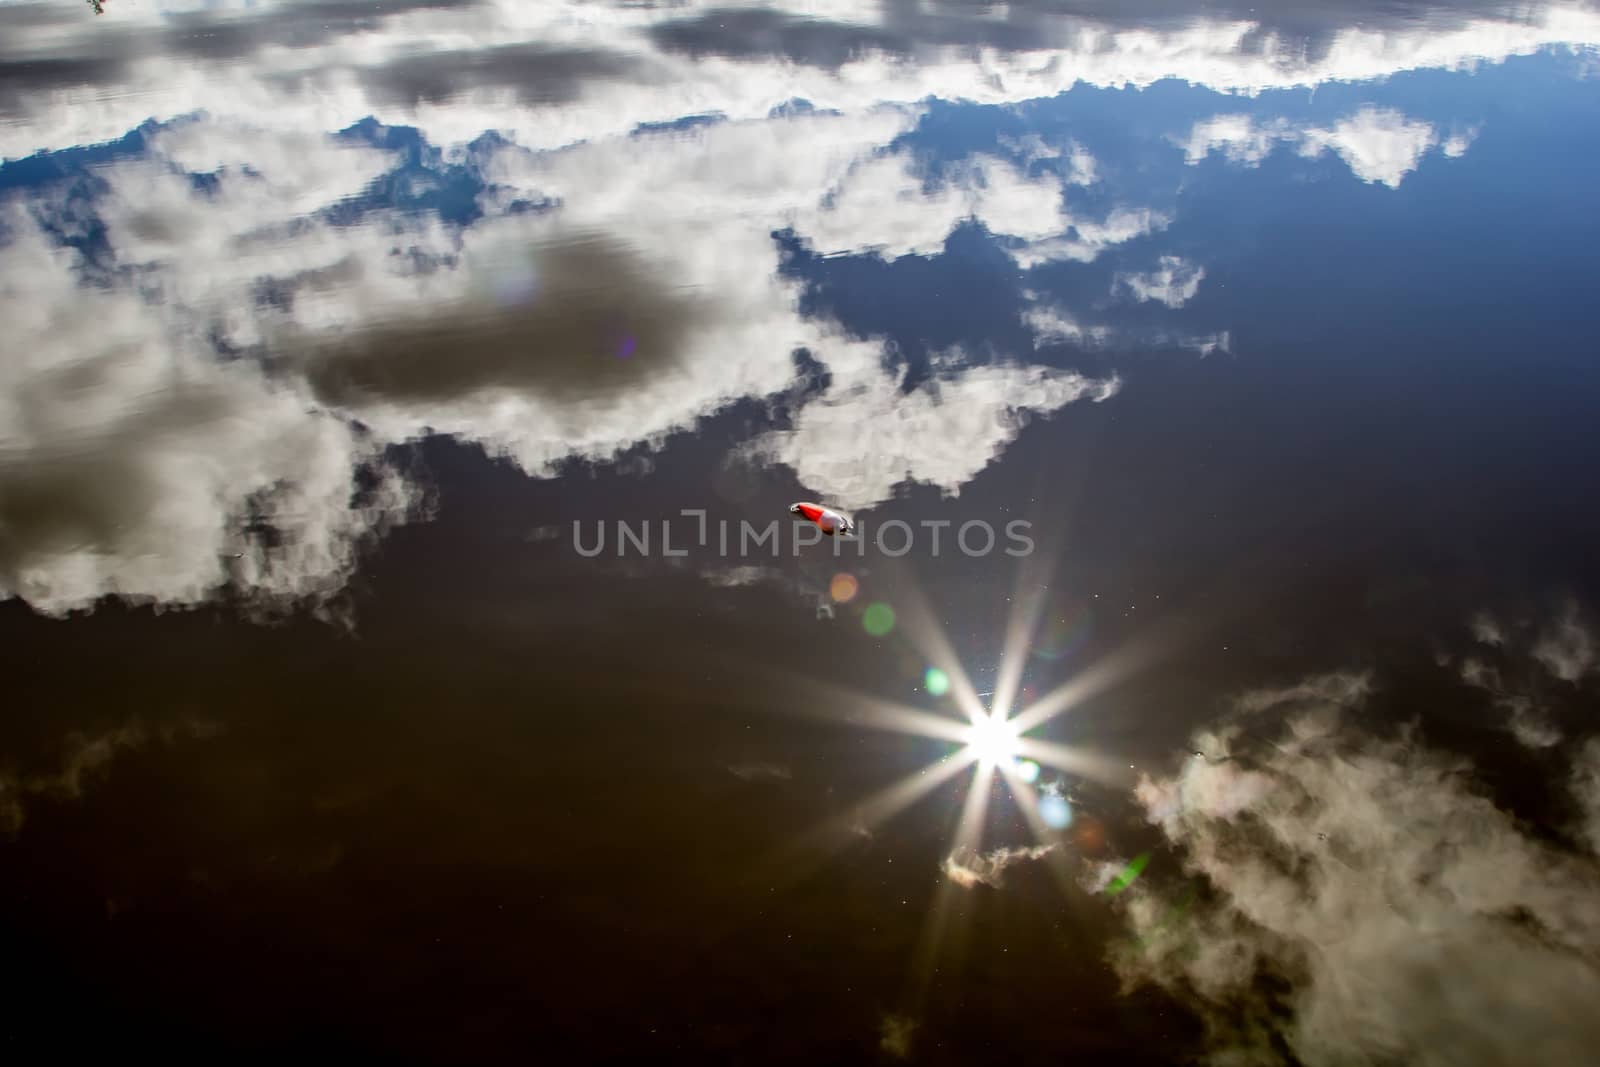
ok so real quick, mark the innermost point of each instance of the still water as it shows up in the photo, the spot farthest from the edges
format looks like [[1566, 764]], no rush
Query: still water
[[1211, 670]]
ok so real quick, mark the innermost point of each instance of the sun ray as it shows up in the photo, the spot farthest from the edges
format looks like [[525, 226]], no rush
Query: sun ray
[[1091, 682], [1073, 761], [824, 700], [934, 942], [1053, 703], [1110, 671], [1027, 802], [796, 859], [988, 739], [885, 715], [1022, 621], [808, 697], [1059, 860], [886, 803], [923, 629], [967, 837], [969, 831]]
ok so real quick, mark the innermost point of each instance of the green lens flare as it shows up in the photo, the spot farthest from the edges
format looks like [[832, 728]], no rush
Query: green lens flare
[[1129, 873], [878, 619], [936, 682]]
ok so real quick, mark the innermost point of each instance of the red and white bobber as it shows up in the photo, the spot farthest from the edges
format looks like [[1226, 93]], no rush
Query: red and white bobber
[[828, 521]]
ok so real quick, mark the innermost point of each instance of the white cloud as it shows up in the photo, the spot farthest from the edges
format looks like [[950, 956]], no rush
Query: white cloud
[[1378, 144], [1527, 721], [1087, 238], [1081, 166], [882, 206], [760, 772], [1586, 788], [132, 463], [714, 195], [1238, 137], [1173, 283], [895, 1035], [865, 435], [1054, 325], [1083, 170], [1099, 874], [1566, 647], [293, 172], [1485, 630], [1031, 147], [83, 757], [650, 299], [1221, 341], [745, 574], [1530, 726], [1338, 689], [1458, 142], [1398, 901], [989, 868], [1007, 202], [599, 70], [1479, 674]]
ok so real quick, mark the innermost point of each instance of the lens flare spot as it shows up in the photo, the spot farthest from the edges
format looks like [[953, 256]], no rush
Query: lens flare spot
[[878, 619], [936, 682], [1064, 633], [1090, 836], [843, 588], [1028, 771], [1055, 811], [626, 346]]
